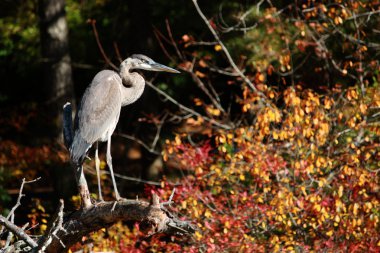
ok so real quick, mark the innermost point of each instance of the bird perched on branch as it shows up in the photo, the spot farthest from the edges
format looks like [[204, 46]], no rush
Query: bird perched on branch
[[100, 107]]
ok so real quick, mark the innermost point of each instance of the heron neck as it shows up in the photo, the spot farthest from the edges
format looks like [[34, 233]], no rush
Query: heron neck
[[132, 88]]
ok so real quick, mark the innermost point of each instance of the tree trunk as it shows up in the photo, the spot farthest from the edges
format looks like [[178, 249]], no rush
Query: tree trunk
[[57, 88], [58, 85]]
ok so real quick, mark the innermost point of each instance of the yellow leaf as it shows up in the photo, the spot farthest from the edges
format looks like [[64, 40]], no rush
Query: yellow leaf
[[340, 191], [208, 213], [198, 235], [218, 47], [43, 227], [356, 207]]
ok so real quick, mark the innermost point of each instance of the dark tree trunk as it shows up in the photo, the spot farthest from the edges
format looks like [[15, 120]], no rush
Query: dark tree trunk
[[57, 88], [58, 85]]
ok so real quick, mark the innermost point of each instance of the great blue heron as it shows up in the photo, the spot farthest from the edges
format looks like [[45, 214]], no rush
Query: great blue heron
[[100, 107]]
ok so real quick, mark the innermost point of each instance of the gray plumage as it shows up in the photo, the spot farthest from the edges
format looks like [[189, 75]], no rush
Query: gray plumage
[[101, 103]]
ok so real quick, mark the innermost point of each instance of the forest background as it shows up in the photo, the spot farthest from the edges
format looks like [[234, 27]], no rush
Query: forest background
[[270, 135]]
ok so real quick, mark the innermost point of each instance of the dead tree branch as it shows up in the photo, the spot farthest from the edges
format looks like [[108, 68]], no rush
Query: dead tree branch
[[17, 231], [82, 222]]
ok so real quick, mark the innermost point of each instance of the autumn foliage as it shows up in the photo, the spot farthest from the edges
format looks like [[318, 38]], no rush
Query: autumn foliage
[[300, 178], [299, 171], [289, 164]]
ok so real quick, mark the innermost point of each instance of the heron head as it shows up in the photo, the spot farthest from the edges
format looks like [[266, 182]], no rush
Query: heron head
[[139, 61]]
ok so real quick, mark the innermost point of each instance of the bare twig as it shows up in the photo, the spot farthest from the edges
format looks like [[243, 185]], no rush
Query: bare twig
[[146, 146], [117, 51], [17, 231], [187, 109], [202, 86], [54, 229], [20, 195], [158, 37], [202, 43], [227, 53], [105, 57], [172, 40]]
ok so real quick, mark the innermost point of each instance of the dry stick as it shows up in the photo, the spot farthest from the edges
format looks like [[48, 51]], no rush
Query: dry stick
[[203, 87], [146, 146], [108, 61], [117, 51], [187, 109], [20, 195], [196, 79], [225, 50], [156, 33], [172, 40], [18, 203], [17, 231], [158, 132], [55, 228], [10, 235]]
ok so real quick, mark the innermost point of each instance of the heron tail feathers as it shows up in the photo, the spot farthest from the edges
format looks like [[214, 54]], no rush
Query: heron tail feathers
[[78, 149]]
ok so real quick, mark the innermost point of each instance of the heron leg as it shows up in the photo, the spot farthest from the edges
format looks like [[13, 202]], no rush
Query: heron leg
[[97, 165], [83, 188], [109, 163]]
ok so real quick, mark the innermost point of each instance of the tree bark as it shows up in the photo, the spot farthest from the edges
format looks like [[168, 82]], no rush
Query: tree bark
[[153, 219], [58, 85]]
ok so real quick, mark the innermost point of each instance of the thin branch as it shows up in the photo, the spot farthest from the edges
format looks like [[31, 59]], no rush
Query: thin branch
[[202, 86], [106, 59], [158, 132], [187, 109], [20, 195], [172, 40], [202, 43], [17, 231], [117, 51], [55, 228], [223, 72], [157, 34], [227, 53], [146, 146]]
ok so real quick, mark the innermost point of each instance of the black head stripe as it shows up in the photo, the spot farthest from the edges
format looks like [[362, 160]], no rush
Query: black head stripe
[[141, 57]]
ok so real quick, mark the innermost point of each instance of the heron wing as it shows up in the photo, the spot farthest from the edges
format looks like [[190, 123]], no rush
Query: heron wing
[[100, 107]]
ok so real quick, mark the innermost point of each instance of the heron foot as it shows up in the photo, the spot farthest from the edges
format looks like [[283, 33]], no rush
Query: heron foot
[[99, 202], [119, 199]]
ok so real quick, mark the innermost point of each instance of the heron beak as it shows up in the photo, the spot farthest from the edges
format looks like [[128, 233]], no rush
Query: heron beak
[[159, 67]]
